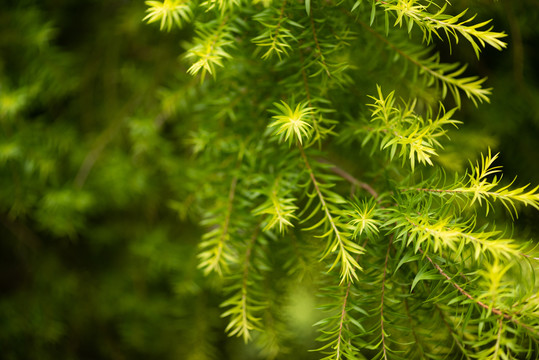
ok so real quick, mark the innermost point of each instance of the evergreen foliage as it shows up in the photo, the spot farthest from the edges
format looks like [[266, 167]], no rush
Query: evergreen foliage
[[294, 173], [396, 257]]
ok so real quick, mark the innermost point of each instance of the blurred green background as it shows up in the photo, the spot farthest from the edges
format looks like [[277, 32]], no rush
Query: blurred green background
[[97, 261]]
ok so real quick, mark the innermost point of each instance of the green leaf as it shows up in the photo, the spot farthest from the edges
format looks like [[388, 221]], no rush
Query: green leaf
[[425, 273]]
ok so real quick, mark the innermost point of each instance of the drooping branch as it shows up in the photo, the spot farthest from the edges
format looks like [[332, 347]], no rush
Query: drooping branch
[[245, 319], [341, 321], [344, 313], [382, 300], [242, 320], [478, 302], [343, 246], [213, 257], [447, 75]]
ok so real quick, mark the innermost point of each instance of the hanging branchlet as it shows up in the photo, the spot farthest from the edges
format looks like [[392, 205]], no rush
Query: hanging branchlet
[[292, 124], [276, 37], [279, 206], [245, 304], [221, 219], [216, 252], [322, 46], [448, 77], [338, 328], [437, 23], [384, 343], [482, 185], [337, 233], [323, 125], [210, 47], [445, 235]]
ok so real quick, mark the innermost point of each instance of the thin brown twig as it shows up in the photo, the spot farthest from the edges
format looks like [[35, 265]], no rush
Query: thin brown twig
[[351, 179], [529, 256], [382, 300], [478, 302]]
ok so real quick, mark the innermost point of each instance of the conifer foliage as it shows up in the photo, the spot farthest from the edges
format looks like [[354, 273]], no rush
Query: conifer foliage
[[305, 95], [267, 179]]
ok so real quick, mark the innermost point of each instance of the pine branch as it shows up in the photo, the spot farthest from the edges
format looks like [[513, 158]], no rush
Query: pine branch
[[209, 49], [242, 321], [214, 255], [446, 75], [338, 242], [479, 188], [382, 330], [336, 331], [276, 36], [323, 46], [452, 26], [315, 64], [341, 322], [280, 207], [478, 302], [444, 233]]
